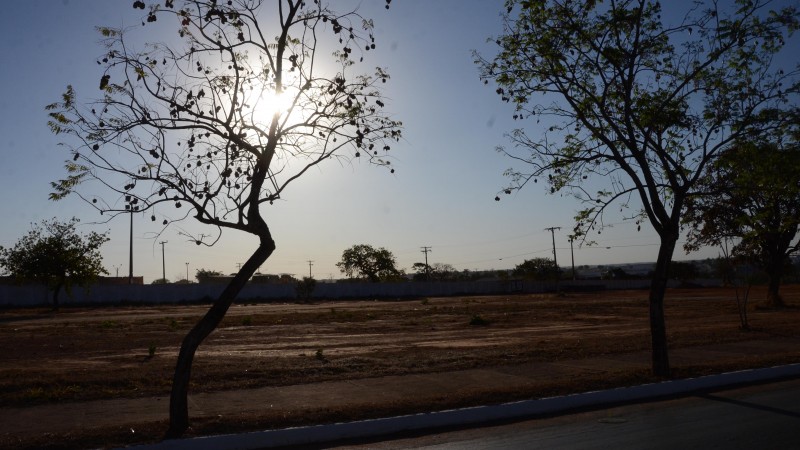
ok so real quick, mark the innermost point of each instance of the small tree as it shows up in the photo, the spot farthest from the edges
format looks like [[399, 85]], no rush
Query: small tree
[[537, 269], [365, 261], [217, 125], [305, 288], [55, 254], [616, 93], [740, 276]]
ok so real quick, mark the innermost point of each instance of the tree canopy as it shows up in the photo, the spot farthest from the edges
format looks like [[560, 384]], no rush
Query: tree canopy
[[537, 269], [613, 92], [366, 261], [435, 272], [217, 123], [55, 254], [752, 197]]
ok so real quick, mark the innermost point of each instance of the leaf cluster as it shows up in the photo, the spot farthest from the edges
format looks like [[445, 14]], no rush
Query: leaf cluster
[[55, 254], [751, 196], [366, 261], [537, 269]]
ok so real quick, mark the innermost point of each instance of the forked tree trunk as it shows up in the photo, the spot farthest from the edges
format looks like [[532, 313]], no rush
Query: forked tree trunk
[[178, 402], [658, 287]]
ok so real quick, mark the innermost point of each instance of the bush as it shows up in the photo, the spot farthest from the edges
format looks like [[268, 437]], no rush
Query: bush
[[305, 288]]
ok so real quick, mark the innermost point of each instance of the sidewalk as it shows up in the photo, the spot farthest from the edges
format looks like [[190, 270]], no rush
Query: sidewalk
[[304, 399]]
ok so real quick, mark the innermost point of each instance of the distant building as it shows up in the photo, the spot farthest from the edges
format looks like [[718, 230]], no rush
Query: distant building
[[102, 281]]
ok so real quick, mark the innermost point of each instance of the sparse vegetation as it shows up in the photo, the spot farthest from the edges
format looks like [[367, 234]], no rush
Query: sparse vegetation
[[385, 338], [478, 321], [107, 324]]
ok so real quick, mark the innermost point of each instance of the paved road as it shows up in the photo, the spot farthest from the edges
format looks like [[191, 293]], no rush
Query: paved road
[[756, 417]]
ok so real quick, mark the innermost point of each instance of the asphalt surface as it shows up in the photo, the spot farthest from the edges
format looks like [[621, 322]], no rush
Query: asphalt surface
[[755, 417]]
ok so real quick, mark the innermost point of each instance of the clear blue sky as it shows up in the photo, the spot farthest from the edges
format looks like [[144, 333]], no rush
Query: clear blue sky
[[442, 194]]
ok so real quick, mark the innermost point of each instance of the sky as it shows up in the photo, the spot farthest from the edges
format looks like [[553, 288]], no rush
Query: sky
[[441, 195]]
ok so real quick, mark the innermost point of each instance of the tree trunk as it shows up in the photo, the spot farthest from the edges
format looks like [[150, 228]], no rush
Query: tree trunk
[[775, 272], [56, 291], [179, 405], [658, 287]]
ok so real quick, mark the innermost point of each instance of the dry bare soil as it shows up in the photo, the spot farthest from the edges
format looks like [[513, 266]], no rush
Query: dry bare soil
[[82, 354]]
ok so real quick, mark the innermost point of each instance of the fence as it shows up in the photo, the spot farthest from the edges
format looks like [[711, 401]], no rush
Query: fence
[[34, 295]]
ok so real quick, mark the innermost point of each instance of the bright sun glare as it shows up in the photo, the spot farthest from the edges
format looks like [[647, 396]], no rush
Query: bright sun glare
[[269, 104]]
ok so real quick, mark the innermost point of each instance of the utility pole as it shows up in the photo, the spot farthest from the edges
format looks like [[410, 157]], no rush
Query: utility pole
[[310, 263], [187, 272], [163, 262], [130, 258], [572, 252], [427, 267], [552, 231]]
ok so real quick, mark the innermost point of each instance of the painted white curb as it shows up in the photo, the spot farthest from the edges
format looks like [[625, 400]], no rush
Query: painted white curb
[[514, 410]]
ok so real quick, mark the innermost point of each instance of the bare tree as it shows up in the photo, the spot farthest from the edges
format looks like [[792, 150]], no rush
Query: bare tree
[[220, 123], [614, 92]]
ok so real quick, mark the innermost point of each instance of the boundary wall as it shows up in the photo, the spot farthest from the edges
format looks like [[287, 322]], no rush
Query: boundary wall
[[35, 295]]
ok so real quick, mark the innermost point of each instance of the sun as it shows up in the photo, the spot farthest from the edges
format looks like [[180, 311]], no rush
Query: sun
[[269, 104]]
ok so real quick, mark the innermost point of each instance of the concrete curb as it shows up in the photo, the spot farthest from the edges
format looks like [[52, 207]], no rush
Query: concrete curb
[[515, 410]]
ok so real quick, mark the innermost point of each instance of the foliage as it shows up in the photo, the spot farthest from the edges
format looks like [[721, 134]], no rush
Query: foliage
[[537, 269], [478, 321], [683, 270], [753, 196], [55, 254], [616, 273], [615, 92], [365, 261], [160, 281], [217, 123], [204, 273], [435, 271], [305, 287]]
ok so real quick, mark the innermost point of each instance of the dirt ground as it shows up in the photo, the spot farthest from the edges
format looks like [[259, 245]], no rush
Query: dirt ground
[[80, 354]]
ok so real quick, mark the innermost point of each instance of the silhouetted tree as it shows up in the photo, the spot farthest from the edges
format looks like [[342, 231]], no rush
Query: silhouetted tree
[[218, 124], [366, 261], [537, 269], [204, 275], [305, 288], [55, 254], [435, 271], [683, 270], [753, 197], [618, 93]]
